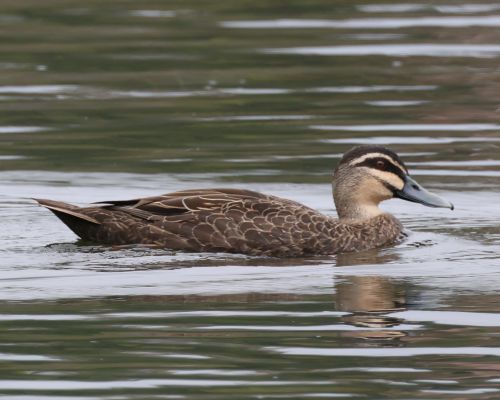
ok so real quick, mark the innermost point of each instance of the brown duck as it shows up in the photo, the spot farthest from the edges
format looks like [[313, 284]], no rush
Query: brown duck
[[243, 221]]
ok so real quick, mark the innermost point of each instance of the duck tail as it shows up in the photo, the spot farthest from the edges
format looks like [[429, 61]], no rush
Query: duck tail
[[72, 216]]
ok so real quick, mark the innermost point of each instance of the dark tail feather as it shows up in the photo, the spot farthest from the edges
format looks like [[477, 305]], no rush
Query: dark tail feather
[[81, 224]]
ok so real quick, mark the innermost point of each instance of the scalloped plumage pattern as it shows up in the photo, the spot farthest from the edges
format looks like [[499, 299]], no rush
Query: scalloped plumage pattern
[[225, 220]]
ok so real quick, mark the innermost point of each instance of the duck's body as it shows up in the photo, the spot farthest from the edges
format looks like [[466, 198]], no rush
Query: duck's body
[[225, 220], [243, 221]]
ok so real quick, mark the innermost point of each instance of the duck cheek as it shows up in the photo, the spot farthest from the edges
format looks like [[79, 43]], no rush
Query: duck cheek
[[385, 193], [375, 191]]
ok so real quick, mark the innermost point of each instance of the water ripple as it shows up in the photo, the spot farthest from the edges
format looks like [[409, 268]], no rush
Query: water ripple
[[378, 370], [22, 129], [366, 23], [386, 352], [68, 92], [250, 118], [469, 163], [372, 88], [395, 103], [39, 89], [462, 391], [386, 140], [37, 385], [26, 357], [411, 7], [227, 313], [215, 372], [307, 328], [154, 13], [400, 50], [411, 128], [47, 317], [450, 317], [12, 157]]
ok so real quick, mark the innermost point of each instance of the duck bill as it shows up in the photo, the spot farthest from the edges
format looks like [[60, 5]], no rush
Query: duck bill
[[412, 191]]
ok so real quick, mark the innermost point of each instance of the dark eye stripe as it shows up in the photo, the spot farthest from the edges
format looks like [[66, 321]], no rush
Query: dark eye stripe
[[386, 167]]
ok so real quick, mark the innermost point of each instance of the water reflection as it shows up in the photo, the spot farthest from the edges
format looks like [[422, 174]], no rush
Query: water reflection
[[369, 294], [410, 7], [154, 13], [368, 299], [389, 352], [414, 128], [406, 50], [372, 89], [89, 93], [39, 89], [395, 103], [367, 23], [427, 140], [21, 129]]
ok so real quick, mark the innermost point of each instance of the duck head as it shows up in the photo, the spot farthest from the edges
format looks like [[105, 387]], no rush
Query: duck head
[[368, 175]]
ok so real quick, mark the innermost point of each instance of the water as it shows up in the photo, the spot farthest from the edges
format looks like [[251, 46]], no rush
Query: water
[[123, 99]]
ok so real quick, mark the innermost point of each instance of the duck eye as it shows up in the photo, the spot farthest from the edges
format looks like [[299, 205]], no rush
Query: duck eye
[[380, 164]]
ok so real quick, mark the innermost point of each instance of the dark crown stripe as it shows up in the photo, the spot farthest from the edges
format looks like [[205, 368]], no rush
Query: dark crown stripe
[[360, 151]]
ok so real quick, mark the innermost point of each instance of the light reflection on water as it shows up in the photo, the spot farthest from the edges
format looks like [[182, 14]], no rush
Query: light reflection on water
[[385, 352], [38, 89], [119, 101], [398, 50], [71, 92], [387, 140], [417, 128], [442, 8], [395, 103], [367, 23], [21, 129]]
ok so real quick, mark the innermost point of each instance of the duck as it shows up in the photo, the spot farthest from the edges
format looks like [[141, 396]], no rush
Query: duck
[[257, 224]]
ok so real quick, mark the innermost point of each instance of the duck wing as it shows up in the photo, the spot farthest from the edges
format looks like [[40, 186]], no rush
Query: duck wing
[[187, 201], [231, 220]]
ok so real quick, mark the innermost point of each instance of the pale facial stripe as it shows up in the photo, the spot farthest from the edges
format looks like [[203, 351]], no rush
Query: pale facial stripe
[[387, 177], [365, 157]]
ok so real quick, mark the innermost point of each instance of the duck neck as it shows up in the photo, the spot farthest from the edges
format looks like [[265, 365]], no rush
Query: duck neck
[[353, 203], [357, 211]]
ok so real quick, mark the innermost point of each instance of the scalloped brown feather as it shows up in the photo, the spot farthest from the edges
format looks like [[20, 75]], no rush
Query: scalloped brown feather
[[225, 220]]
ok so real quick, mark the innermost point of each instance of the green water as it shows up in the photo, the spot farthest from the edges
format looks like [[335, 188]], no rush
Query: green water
[[122, 99]]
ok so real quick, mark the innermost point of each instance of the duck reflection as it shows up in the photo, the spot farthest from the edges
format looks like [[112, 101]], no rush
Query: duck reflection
[[369, 294], [375, 256], [369, 298]]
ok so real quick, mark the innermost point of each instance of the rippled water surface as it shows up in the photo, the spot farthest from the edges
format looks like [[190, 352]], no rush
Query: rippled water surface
[[115, 100]]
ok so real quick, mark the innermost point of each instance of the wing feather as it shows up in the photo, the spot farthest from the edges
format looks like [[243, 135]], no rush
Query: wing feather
[[186, 201]]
